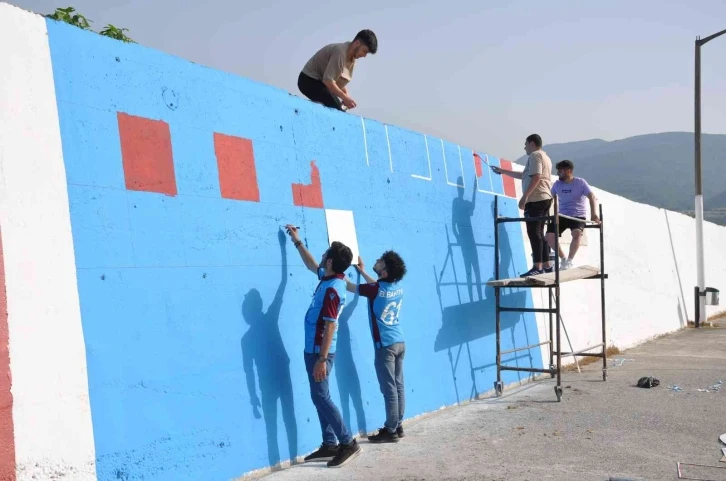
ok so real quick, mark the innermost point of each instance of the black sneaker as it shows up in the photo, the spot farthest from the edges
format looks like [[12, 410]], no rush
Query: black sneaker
[[399, 431], [384, 436], [324, 452], [549, 270], [346, 452], [532, 272]]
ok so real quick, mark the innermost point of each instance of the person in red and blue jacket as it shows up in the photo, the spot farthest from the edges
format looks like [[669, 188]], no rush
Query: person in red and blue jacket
[[321, 323]]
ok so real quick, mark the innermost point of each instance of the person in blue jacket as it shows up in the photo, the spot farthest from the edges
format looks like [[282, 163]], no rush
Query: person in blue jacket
[[321, 324]]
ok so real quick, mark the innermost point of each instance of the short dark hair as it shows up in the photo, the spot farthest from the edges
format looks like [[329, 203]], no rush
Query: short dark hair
[[341, 255], [565, 164], [536, 139], [395, 266], [368, 38]]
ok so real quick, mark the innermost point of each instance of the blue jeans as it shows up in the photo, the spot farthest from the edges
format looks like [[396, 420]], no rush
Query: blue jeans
[[389, 368], [331, 422]]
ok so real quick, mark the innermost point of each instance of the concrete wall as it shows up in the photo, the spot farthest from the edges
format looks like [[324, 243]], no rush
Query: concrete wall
[[163, 338], [154, 306]]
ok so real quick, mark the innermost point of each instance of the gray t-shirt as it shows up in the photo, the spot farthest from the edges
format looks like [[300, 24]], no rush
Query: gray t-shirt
[[538, 162], [331, 63]]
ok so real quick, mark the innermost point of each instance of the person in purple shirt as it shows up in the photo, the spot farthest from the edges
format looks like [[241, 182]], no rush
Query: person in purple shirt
[[571, 193]]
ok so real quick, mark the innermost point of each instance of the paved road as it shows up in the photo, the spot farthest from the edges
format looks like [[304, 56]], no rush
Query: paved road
[[599, 430]]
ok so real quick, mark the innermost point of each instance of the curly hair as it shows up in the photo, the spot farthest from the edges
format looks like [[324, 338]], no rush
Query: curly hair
[[369, 39], [341, 255], [395, 266]]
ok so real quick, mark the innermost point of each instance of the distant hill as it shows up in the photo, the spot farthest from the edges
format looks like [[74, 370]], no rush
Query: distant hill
[[717, 200], [655, 169]]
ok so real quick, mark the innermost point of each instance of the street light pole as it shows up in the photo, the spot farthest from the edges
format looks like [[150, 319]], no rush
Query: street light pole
[[700, 301]]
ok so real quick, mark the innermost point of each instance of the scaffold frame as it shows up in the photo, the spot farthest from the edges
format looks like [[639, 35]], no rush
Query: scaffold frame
[[551, 282]]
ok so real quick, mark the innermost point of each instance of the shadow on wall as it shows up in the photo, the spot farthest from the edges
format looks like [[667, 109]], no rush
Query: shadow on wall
[[466, 322], [506, 258], [462, 211], [346, 373], [262, 347], [507, 268]]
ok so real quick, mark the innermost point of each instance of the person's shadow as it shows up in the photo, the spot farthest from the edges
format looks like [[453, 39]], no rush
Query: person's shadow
[[508, 269], [470, 321], [346, 373], [262, 347], [462, 211]]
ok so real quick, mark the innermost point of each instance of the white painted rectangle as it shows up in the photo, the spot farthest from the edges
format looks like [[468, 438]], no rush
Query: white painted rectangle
[[341, 228]]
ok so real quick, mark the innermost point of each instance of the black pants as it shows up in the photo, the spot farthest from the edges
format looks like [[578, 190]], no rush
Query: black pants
[[316, 91], [535, 229]]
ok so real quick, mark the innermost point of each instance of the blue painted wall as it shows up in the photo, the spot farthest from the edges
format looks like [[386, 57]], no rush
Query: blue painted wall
[[193, 305]]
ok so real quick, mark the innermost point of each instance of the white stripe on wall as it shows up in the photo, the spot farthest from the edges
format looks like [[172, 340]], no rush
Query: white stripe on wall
[[51, 410]]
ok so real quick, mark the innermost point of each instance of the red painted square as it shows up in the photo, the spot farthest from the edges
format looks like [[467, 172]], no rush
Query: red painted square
[[147, 155], [509, 189], [236, 165], [477, 165], [7, 439], [309, 195]]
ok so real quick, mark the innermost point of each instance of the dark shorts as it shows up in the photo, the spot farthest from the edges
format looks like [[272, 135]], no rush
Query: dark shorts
[[566, 224]]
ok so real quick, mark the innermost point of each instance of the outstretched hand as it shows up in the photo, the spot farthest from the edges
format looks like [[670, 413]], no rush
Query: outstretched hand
[[292, 231], [360, 266]]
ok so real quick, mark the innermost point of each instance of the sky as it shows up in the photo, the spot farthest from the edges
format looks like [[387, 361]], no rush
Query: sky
[[481, 73]]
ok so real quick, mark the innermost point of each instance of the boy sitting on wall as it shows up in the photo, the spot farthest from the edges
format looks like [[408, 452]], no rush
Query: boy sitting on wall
[[324, 78]]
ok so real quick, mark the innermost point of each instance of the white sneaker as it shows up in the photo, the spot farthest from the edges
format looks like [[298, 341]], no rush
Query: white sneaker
[[566, 264]]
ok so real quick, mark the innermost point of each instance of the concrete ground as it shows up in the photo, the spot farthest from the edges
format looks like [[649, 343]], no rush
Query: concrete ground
[[599, 430]]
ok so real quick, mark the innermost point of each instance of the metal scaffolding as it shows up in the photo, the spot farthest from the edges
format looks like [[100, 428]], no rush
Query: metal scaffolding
[[551, 282]]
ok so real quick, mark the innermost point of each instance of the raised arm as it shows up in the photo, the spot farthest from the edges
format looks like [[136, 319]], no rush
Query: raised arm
[[305, 254], [510, 173], [361, 269], [274, 310], [473, 194]]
